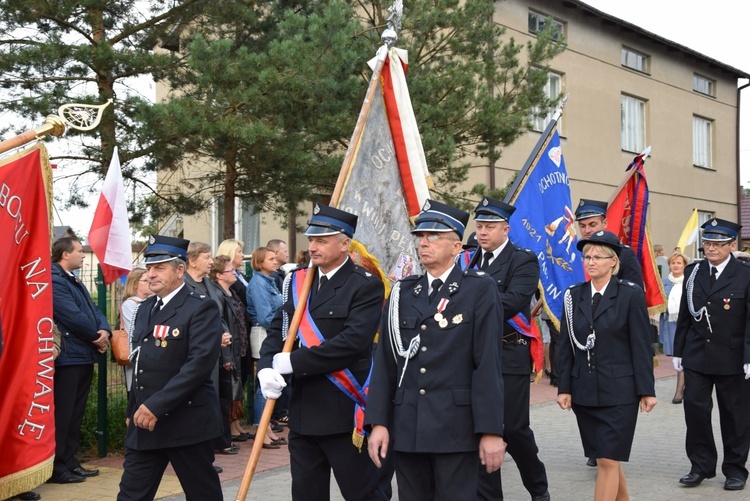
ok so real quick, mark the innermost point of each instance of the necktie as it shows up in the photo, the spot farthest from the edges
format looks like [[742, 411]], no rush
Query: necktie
[[712, 279], [486, 260], [435, 288], [323, 281], [157, 307], [595, 303]]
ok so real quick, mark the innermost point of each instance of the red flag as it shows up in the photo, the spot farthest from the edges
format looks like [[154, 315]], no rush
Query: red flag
[[109, 236], [27, 427], [626, 218]]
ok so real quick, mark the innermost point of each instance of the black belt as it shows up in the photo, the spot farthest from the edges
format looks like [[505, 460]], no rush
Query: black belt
[[515, 338]]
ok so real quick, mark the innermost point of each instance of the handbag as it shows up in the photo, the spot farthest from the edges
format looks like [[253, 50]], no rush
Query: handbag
[[120, 343]]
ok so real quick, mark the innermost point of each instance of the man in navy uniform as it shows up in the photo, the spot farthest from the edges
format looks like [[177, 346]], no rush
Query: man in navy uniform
[[436, 387], [591, 216], [333, 351], [712, 346], [173, 406], [515, 272]]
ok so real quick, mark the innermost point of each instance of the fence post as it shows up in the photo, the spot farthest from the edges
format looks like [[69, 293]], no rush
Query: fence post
[[101, 401]]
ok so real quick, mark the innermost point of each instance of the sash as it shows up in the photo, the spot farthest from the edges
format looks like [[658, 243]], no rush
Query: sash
[[519, 322], [310, 335]]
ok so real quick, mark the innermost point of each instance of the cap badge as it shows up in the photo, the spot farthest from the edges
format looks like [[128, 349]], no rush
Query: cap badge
[[426, 205], [714, 223], [151, 240], [580, 204], [600, 233], [316, 210], [485, 202]]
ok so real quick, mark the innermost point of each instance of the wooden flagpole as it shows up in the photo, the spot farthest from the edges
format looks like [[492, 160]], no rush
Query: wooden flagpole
[[389, 37]]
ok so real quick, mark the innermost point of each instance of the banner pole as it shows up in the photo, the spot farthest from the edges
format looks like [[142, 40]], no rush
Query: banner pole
[[53, 125]]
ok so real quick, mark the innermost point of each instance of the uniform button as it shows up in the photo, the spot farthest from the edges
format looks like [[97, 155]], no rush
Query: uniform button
[[190, 402], [140, 371], [708, 302], [423, 327], [422, 392], [708, 340], [145, 340], [140, 388], [424, 348], [330, 313], [422, 370]]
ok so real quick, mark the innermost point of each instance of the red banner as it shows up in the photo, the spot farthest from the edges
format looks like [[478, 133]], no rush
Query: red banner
[[626, 218], [27, 429]]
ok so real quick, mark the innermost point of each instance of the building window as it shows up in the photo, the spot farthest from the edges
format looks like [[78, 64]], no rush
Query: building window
[[552, 91], [703, 85], [246, 223], [635, 60], [702, 142], [633, 124], [538, 21]]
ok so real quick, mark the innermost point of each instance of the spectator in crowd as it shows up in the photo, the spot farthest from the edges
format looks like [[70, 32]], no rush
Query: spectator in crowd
[[711, 347], [263, 301], [661, 260], [436, 397], [673, 286], [199, 262], [174, 415], [136, 290], [85, 332], [742, 256], [303, 258], [279, 248], [606, 370], [343, 309]]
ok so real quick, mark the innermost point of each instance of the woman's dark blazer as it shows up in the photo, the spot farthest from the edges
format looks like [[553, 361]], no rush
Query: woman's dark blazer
[[620, 370]]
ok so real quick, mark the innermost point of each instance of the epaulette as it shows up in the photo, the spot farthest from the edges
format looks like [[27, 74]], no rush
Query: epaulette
[[626, 282], [198, 295], [474, 273], [410, 278], [363, 271], [577, 285]]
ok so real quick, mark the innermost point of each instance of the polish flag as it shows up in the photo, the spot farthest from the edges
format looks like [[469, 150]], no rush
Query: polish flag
[[109, 236]]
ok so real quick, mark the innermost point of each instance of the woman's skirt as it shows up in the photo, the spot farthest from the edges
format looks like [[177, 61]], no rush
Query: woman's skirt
[[607, 432]]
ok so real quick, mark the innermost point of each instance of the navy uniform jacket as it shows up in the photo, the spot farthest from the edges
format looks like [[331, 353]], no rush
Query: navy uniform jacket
[[452, 391], [347, 312], [727, 348], [516, 275], [174, 381], [621, 361], [630, 268]]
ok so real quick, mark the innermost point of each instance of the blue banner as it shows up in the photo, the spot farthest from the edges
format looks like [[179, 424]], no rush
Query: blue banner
[[544, 222]]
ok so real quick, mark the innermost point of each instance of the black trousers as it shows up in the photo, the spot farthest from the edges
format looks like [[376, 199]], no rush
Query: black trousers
[[733, 398], [438, 477], [143, 471], [312, 459], [521, 443], [72, 386]]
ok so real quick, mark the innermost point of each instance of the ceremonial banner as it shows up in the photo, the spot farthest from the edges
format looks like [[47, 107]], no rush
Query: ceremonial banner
[[387, 178], [626, 218], [27, 430], [690, 233], [544, 223], [109, 235]]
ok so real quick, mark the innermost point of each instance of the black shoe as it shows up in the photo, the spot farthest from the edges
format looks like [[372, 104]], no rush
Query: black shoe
[[67, 477], [218, 469], [541, 497], [29, 496], [734, 484], [591, 462], [676, 400], [694, 479], [83, 472]]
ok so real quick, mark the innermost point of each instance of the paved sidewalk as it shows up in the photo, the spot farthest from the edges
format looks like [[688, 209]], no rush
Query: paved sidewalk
[[657, 461]]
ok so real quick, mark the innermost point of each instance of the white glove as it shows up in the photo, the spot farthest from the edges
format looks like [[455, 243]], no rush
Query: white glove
[[677, 362], [282, 363], [747, 370], [271, 383]]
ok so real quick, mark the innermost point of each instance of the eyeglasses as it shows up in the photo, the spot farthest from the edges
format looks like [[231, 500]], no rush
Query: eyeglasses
[[432, 238], [230, 270], [715, 245], [588, 259]]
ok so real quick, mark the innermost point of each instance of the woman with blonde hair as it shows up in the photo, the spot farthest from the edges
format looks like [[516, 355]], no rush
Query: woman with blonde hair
[[136, 290], [668, 320], [605, 362]]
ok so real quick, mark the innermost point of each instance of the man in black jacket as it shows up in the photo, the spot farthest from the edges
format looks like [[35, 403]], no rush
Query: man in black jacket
[[173, 406], [85, 331], [333, 352], [712, 346]]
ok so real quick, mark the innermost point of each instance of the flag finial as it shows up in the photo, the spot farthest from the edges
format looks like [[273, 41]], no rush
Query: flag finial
[[390, 34]]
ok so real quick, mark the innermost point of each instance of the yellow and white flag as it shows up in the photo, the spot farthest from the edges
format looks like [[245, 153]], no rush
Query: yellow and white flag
[[690, 233]]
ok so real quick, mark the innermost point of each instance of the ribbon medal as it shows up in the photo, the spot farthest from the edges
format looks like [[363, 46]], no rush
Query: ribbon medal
[[726, 304], [439, 318], [160, 335]]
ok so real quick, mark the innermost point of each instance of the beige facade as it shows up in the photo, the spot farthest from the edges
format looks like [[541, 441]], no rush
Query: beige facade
[[592, 72]]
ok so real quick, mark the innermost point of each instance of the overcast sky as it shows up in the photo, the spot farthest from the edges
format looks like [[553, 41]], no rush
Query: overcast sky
[[715, 29]]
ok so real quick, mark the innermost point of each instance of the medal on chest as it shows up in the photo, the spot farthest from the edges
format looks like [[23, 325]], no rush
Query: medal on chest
[[160, 335], [726, 304], [439, 318]]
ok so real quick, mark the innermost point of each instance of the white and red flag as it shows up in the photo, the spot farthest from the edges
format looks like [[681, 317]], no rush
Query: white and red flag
[[109, 236]]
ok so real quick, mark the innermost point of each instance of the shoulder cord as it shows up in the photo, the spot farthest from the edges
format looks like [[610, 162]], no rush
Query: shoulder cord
[[284, 314], [590, 340], [134, 353], [697, 315], [394, 332]]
